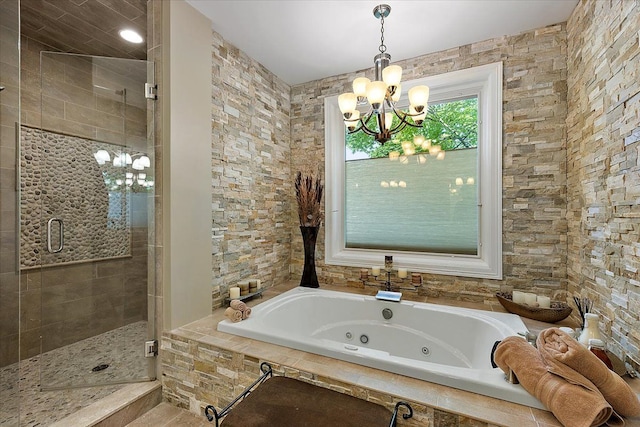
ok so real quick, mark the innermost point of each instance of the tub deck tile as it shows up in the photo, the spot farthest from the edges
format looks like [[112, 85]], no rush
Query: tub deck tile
[[372, 384]]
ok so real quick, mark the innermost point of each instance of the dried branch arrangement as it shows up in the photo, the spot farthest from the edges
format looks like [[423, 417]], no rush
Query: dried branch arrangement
[[585, 305], [309, 197]]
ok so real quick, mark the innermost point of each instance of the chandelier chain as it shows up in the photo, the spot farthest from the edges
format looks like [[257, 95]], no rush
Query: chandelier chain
[[382, 47]]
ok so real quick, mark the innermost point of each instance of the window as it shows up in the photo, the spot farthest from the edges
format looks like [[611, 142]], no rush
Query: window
[[437, 216]]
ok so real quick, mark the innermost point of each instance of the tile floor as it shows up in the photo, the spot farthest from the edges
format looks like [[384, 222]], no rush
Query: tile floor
[[121, 348]]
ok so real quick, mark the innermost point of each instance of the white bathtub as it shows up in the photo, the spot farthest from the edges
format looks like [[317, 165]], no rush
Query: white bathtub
[[444, 345]]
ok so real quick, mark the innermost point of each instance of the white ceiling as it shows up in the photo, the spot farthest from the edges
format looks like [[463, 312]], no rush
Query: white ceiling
[[305, 40]]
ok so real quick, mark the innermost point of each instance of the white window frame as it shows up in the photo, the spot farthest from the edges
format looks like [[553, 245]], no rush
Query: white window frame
[[484, 81]]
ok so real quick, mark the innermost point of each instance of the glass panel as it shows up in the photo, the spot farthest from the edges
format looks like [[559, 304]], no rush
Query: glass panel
[[9, 271], [417, 192], [88, 180]]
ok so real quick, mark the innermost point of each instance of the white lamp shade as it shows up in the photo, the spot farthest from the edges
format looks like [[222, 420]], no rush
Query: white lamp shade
[[360, 86], [419, 96], [137, 165], [376, 92], [392, 74], [347, 102], [388, 120], [102, 156], [396, 94], [145, 161], [127, 159]]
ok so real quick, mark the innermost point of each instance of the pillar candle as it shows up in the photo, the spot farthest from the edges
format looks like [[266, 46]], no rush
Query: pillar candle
[[416, 278], [544, 302], [402, 273], [234, 292], [364, 274], [518, 297], [530, 299], [375, 271]]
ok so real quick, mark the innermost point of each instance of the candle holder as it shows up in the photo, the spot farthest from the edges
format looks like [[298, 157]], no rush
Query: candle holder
[[385, 281]]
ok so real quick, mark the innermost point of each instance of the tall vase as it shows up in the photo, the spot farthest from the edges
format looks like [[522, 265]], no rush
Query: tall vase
[[309, 236]]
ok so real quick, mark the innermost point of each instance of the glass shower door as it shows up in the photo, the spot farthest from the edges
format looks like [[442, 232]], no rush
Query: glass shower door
[[9, 271], [88, 185]]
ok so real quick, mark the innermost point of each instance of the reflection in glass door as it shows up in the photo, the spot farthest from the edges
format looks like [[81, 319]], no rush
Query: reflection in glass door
[[86, 212]]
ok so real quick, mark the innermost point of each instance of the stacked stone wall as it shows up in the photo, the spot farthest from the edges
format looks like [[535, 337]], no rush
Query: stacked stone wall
[[197, 374], [603, 178], [250, 171], [534, 160]]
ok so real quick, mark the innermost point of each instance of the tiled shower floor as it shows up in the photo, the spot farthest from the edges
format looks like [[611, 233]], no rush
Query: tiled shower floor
[[121, 348]]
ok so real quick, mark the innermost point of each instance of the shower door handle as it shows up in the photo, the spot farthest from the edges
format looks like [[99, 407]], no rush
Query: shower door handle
[[61, 229]]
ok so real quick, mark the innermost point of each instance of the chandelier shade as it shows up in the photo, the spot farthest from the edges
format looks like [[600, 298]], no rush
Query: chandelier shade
[[382, 94]]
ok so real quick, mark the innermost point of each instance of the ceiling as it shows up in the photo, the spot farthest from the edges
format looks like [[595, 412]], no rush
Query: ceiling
[[305, 40], [86, 26]]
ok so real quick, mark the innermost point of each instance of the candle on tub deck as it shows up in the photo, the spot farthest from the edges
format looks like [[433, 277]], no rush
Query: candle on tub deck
[[544, 302], [364, 274], [416, 278], [530, 299], [375, 271], [518, 297], [402, 273], [259, 283], [234, 292]]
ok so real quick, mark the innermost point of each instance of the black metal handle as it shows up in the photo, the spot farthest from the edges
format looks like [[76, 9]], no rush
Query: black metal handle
[[406, 416], [210, 411]]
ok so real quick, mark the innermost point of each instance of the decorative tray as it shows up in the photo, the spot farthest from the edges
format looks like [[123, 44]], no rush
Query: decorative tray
[[247, 296], [557, 312]]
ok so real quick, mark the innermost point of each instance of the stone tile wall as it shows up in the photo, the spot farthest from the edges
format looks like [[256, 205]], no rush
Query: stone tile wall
[[534, 159], [250, 171], [196, 374], [603, 179]]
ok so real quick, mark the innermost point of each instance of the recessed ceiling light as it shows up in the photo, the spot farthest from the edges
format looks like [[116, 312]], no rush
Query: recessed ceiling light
[[131, 36]]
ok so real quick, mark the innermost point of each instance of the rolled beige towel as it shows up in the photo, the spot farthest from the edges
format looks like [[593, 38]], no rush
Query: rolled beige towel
[[233, 314], [574, 404], [238, 305], [246, 313], [558, 348]]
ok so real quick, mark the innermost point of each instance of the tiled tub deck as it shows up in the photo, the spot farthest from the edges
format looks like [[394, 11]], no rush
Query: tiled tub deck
[[202, 366]]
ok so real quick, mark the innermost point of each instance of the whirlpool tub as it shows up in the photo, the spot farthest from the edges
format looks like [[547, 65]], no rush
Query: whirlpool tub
[[440, 344]]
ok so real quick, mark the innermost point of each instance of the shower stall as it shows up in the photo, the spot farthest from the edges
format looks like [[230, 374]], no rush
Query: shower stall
[[77, 188]]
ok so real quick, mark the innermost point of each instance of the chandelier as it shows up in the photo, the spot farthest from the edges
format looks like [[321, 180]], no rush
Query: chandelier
[[382, 94]]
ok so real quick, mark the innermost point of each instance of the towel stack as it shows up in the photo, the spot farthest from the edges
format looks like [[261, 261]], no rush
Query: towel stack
[[568, 379], [237, 311]]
